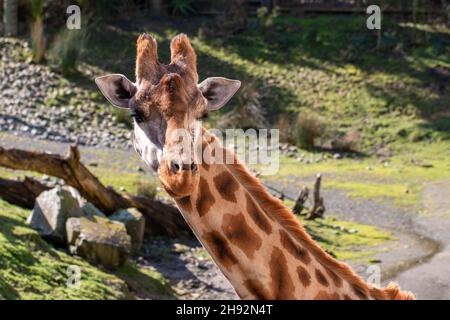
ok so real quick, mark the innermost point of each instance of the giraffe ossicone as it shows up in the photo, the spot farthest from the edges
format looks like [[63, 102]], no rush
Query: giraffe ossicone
[[255, 240]]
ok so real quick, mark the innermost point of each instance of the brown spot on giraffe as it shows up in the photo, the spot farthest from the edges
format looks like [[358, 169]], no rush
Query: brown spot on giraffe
[[293, 248], [226, 185], [220, 249], [323, 295], [304, 276], [240, 234], [205, 198], [282, 284], [360, 292], [206, 152], [185, 203], [256, 289], [338, 282], [321, 278], [257, 215]]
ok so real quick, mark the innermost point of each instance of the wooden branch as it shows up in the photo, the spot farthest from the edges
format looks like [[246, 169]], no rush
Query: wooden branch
[[318, 208], [300, 202], [21, 193], [161, 218]]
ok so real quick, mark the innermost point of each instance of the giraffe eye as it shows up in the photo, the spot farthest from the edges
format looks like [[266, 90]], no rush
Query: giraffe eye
[[204, 116], [137, 115]]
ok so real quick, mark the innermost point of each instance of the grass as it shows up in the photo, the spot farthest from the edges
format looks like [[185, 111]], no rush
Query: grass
[[32, 269], [348, 241], [400, 179]]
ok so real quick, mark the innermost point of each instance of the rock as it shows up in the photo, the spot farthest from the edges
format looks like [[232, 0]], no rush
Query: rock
[[180, 248], [337, 156], [134, 222], [89, 210], [74, 192], [51, 210], [99, 240], [36, 103]]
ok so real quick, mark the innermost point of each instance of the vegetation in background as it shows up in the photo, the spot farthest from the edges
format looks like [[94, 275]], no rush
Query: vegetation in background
[[246, 109], [10, 18], [68, 47], [122, 116], [183, 7], [38, 41], [308, 129], [147, 188], [266, 17]]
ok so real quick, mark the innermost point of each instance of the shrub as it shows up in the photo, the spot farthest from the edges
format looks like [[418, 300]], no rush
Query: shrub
[[123, 116], [247, 111], [266, 16], [347, 143], [284, 125], [183, 7], [148, 188], [309, 127], [68, 47]]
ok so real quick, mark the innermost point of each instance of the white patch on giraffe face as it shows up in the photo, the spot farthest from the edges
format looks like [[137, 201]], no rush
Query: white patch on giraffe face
[[149, 143]]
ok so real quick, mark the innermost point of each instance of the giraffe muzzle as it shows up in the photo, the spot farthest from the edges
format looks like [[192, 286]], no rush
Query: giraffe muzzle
[[176, 167]]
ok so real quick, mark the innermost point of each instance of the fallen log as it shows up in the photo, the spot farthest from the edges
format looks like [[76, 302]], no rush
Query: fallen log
[[21, 193], [161, 218]]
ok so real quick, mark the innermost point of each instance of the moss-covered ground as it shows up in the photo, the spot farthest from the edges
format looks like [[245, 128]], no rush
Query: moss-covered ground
[[30, 268]]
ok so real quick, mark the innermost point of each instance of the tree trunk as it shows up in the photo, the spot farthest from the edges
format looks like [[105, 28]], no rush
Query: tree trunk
[[21, 193], [300, 202], [161, 218], [10, 17], [318, 208]]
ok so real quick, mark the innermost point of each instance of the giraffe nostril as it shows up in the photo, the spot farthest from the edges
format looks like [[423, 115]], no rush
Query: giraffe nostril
[[174, 166]]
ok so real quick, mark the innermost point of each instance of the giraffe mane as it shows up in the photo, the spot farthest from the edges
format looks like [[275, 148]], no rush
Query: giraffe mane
[[274, 208]]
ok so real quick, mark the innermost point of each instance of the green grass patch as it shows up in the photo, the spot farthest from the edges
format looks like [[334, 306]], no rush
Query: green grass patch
[[32, 269], [401, 178], [347, 240]]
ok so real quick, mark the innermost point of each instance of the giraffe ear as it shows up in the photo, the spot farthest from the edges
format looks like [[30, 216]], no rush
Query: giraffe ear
[[117, 89], [218, 91]]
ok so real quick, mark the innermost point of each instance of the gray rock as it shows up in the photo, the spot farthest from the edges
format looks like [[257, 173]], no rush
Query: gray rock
[[51, 210], [134, 222], [89, 210], [99, 240], [74, 192]]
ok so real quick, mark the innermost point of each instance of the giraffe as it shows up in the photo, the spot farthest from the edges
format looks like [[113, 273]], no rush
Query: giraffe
[[258, 244]]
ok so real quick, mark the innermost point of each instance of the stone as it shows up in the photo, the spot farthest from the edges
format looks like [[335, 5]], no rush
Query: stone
[[51, 211], [89, 210], [99, 240], [74, 192], [180, 248], [134, 223]]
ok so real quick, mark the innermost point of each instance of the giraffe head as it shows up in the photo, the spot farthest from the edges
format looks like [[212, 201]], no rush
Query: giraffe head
[[167, 104]]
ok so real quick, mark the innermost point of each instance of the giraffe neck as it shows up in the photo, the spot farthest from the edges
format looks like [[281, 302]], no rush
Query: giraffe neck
[[259, 245]]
